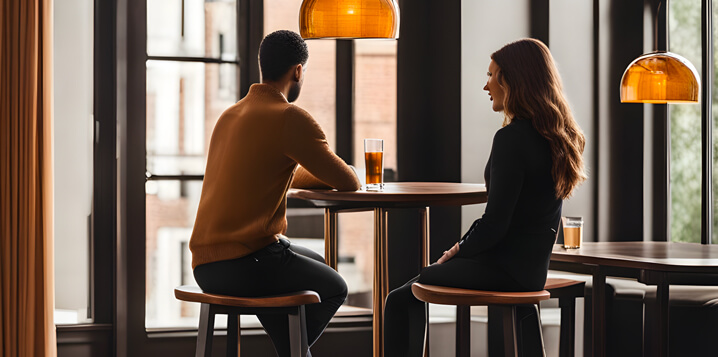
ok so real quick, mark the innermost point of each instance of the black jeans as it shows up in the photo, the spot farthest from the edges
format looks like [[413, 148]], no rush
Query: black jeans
[[279, 268], [405, 315]]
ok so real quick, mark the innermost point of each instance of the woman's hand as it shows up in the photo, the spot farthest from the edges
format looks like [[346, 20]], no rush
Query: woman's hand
[[448, 254]]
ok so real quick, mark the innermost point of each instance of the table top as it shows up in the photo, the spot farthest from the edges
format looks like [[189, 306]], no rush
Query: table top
[[657, 256], [398, 194]]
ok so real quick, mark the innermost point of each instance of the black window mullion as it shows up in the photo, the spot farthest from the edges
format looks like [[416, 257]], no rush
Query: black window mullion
[[151, 177], [345, 100], [707, 122], [191, 59], [661, 140], [103, 232], [250, 31]]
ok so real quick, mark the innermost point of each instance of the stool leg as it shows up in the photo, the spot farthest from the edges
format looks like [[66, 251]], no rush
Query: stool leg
[[298, 333], [206, 331], [495, 331], [527, 340], [510, 338], [568, 328], [463, 331], [232, 335]]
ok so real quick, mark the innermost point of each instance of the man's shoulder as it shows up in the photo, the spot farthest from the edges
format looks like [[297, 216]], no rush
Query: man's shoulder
[[296, 116], [294, 111], [297, 121]]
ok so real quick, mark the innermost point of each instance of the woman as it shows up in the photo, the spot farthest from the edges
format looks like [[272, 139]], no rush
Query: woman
[[535, 162]]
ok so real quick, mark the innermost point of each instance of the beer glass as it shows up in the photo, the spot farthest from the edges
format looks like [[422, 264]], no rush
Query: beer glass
[[572, 232], [374, 159]]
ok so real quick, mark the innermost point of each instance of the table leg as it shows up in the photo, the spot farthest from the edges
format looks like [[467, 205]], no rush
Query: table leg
[[331, 250], [599, 312], [424, 262], [381, 278], [425, 241], [661, 313]]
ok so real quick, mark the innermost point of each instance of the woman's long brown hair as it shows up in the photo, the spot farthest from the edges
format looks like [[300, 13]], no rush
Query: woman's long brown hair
[[533, 91]]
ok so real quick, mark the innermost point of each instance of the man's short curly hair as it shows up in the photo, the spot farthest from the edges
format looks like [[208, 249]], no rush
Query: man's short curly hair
[[279, 51]]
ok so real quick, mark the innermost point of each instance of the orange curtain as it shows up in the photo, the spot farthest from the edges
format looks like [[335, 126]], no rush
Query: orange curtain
[[26, 251]]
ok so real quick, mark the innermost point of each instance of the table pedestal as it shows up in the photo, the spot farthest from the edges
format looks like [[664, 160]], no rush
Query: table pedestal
[[381, 262]]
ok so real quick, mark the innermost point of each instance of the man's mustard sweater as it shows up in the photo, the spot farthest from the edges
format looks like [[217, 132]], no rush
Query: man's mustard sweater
[[254, 151]]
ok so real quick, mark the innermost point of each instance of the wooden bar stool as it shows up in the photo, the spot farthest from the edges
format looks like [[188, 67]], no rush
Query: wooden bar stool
[[290, 304], [566, 291], [464, 298]]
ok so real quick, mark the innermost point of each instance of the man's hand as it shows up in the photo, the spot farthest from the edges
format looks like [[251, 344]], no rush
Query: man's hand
[[448, 254]]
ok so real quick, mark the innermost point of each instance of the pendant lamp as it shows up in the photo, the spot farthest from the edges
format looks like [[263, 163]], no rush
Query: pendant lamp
[[349, 19], [660, 77]]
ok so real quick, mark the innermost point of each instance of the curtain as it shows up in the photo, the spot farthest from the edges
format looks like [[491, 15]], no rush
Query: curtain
[[26, 251]]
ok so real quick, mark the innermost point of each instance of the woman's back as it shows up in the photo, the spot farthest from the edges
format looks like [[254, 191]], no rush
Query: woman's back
[[522, 212]]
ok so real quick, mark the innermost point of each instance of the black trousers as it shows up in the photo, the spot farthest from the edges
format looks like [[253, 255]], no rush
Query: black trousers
[[279, 268], [405, 316]]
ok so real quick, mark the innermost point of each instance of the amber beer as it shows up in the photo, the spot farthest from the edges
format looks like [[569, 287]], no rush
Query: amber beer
[[374, 160], [572, 232], [374, 167]]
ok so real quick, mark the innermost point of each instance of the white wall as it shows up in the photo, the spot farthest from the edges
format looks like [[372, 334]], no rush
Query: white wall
[[72, 144], [486, 26], [571, 43]]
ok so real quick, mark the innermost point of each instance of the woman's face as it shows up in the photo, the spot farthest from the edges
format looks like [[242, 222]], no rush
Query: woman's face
[[496, 93]]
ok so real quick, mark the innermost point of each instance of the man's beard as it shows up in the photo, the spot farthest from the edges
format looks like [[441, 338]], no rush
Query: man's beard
[[294, 92]]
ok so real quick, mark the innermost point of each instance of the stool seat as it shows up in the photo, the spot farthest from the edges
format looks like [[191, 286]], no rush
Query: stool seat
[[195, 294], [455, 296]]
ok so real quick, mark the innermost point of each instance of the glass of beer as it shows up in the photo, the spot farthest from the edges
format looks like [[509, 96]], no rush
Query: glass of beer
[[572, 232], [374, 159]]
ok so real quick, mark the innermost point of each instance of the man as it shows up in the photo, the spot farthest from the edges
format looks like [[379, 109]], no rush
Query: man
[[237, 244]]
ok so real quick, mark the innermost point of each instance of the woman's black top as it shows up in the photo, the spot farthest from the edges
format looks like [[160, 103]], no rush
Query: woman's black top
[[518, 228]]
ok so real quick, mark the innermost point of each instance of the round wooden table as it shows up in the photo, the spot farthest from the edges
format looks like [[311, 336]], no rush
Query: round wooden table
[[421, 195]]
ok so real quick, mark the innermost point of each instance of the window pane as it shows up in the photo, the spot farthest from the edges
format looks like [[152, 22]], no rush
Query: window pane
[[685, 36], [171, 210], [192, 28], [318, 95], [184, 100], [715, 123], [374, 117], [375, 97]]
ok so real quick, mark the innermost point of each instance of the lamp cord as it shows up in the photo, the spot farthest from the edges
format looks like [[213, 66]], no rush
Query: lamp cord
[[655, 27]]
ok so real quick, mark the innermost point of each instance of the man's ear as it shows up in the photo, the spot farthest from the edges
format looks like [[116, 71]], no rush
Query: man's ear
[[298, 73]]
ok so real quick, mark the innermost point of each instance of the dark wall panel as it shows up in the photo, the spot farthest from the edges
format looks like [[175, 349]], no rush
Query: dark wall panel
[[429, 114], [620, 41]]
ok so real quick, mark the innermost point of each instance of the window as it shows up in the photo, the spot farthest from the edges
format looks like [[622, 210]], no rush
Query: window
[[192, 76], [685, 39], [375, 97]]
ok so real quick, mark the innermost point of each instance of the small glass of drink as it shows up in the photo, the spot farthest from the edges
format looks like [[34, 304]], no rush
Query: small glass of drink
[[374, 159], [572, 232]]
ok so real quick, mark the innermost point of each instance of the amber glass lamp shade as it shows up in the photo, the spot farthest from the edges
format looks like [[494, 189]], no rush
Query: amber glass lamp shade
[[660, 77], [349, 19]]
